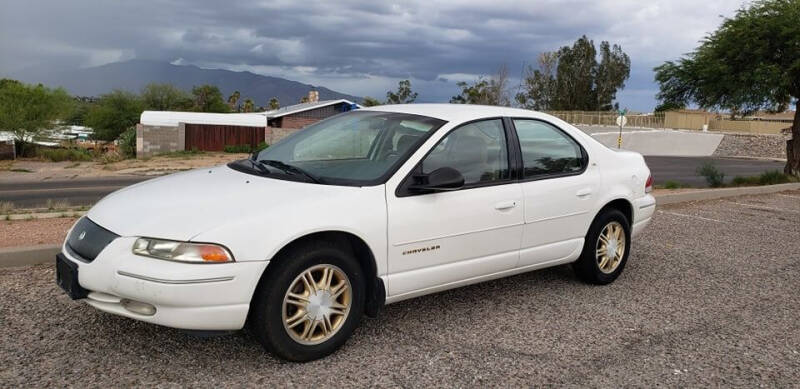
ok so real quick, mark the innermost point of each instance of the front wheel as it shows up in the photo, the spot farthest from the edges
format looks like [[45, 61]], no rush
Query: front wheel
[[310, 304], [606, 248]]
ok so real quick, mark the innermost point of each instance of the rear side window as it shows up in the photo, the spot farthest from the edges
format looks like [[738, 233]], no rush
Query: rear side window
[[547, 150]]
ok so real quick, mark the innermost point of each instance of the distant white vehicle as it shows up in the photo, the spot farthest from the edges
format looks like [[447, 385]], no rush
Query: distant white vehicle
[[362, 209]]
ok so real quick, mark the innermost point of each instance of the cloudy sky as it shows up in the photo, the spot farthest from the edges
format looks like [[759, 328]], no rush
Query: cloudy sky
[[361, 47]]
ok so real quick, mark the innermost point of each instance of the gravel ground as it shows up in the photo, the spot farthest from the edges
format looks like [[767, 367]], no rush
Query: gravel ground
[[33, 232], [710, 297], [757, 146]]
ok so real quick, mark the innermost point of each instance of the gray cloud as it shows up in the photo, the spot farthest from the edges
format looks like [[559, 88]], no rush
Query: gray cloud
[[356, 46]]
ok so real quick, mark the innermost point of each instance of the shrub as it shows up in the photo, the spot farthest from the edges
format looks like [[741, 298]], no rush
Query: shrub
[[745, 181], [672, 184], [58, 155], [714, 177], [773, 177], [127, 143], [237, 149], [261, 146]]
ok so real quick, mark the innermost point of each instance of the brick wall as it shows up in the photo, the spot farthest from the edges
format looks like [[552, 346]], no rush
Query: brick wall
[[274, 134], [153, 140], [297, 121]]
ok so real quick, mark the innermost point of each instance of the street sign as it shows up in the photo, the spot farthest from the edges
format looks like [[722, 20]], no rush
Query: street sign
[[622, 121]]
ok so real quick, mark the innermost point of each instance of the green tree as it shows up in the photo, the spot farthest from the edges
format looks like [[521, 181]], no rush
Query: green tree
[[491, 91], [114, 113], [404, 95], [77, 113], [751, 62], [539, 85], [233, 101], [274, 103], [27, 110], [208, 98], [165, 97], [571, 78], [370, 101]]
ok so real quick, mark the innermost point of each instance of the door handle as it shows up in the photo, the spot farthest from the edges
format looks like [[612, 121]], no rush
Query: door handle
[[583, 192], [505, 205]]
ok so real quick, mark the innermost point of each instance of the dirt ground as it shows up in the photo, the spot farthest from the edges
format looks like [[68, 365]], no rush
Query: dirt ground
[[37, 170], [32, 232]]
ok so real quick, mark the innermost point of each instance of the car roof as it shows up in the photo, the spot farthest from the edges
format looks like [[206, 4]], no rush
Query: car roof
[[456, 112]]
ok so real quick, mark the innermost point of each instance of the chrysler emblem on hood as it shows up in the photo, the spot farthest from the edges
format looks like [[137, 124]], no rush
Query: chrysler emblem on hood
[[82, 235]]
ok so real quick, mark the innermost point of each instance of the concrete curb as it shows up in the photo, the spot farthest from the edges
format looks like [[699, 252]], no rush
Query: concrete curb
[[32, 255], [711, 194]]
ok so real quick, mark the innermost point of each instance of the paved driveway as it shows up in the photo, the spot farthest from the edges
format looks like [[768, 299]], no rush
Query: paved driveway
[[710, 297]]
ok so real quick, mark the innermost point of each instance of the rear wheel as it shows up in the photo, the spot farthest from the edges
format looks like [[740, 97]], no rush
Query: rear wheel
[[310, 303], [606, 248]]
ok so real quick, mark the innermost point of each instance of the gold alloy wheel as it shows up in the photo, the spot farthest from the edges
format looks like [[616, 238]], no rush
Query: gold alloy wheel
[[317, 304], [610, 248]]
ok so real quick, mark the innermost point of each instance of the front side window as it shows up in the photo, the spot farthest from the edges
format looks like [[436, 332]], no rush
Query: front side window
[[546, 149], [353, 148], [478, 150]]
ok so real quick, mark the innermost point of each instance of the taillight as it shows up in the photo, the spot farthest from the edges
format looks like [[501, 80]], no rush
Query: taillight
[[648, 185]]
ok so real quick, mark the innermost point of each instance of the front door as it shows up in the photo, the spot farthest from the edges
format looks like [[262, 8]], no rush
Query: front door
[[440, 238]]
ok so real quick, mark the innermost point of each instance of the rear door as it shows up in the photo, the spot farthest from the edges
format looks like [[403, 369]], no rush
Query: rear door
[[440, 238], [560, 186]]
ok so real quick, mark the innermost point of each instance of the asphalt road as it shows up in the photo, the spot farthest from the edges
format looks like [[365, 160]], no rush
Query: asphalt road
[[88, 191], [709, 298]]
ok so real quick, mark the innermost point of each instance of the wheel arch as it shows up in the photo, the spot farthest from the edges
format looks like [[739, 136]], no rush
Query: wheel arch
[[375, 289], [621, 204]]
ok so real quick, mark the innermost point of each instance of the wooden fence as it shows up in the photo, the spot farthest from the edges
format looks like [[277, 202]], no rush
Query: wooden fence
[[674, 119], [609, 118], [212, 137]]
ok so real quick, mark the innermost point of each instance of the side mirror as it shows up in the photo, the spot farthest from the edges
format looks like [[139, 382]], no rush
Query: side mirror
[[441, 179]]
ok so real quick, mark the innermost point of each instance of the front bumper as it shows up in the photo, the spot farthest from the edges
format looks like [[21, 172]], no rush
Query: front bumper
[[185, 295]]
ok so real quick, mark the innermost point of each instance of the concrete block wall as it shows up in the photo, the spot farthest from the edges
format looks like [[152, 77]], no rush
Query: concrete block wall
[[274, 134], [153, 140]]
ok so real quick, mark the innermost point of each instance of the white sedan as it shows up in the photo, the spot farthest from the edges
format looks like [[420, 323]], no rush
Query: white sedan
[[363, 209]]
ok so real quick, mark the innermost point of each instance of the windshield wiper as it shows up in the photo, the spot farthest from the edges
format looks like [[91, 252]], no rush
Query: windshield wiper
[[260, 166], [290, 169]]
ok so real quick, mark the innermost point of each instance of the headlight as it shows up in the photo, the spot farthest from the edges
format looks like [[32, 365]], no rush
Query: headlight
[[181, 251]]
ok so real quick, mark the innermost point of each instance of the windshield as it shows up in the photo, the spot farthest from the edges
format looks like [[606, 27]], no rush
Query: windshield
[[353, 148]]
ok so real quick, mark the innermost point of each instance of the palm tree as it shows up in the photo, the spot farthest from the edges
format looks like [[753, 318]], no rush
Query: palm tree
[[249, 105], [233, 101], [274, 104]]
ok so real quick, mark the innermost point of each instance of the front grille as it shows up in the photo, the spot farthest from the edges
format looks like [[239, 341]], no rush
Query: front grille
[[88, 239]]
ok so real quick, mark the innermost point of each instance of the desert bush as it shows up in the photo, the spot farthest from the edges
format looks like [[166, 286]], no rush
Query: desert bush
[[714, 177], [127, 143], [58, 155]]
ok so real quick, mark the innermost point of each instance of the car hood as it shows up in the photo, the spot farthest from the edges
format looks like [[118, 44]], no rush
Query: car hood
[[183, 205]]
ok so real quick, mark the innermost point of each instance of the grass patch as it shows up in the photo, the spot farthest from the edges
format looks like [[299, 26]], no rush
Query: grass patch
[[6, 206], [20, 170], [242, 149], [771, 177], [670, 184], [58, 155], [56, 205], [182, 153]]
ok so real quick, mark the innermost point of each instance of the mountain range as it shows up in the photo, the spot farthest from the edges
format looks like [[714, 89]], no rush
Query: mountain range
[[134, 74]]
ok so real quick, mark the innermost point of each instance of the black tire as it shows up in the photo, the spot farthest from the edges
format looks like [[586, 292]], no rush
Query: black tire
[[266, 310], [587, 267]]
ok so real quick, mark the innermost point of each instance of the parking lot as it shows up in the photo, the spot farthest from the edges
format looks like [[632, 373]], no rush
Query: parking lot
[[710, 296]]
